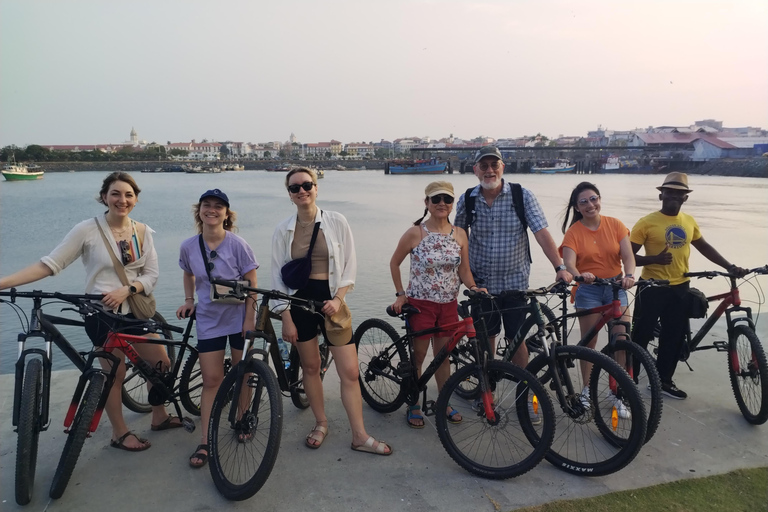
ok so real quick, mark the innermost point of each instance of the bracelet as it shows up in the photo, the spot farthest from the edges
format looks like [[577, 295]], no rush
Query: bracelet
[[189, 298], [630, 275], [473, 286], [337, 297]]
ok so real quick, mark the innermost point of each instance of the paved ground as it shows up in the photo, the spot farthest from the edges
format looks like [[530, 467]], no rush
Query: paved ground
[[701, 436]]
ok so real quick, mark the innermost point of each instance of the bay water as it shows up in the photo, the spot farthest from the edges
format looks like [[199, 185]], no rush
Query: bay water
[[35, 216]]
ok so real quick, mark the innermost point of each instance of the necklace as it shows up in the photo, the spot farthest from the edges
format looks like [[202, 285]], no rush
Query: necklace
[[305, 225], [120, 233]]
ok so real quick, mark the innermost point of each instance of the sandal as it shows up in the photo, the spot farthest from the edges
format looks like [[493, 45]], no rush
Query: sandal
[[168, 424], [119, 443], [202, 457], [367, 447], [318, 440], [410, 415], [451, 416]]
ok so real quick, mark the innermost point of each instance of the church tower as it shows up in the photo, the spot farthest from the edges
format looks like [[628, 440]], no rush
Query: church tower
[[134, 137]]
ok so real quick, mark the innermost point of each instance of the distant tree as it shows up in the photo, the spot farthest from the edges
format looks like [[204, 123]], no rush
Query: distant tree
[[37, 153], [267, 154], [224, 151], [12, 151], [344, 154], [552, 143], [178, 152], [327, 154]]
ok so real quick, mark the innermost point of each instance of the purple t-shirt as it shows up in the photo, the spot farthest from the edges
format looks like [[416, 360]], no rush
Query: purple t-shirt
[[234, 258]]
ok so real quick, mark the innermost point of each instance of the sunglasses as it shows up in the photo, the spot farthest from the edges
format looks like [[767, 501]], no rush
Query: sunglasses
[[590, 199], [307, 186], [495, 165], [441, 197], [212, 257], [125, 252]]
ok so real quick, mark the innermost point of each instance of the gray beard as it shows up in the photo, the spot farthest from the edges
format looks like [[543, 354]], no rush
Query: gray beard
[[490, 186]]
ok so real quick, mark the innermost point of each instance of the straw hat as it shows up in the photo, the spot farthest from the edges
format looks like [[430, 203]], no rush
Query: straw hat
[[676, 180]]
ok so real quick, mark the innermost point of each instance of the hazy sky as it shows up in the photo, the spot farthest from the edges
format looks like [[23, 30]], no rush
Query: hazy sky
[[361, 70]]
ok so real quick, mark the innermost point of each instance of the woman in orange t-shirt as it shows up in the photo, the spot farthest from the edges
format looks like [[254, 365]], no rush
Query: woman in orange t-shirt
[[596, 246]]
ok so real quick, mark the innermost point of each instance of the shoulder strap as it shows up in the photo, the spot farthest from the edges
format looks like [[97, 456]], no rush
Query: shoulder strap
[[519, 204], [314, 237], [119, 269], [469, 209], [205, 256]]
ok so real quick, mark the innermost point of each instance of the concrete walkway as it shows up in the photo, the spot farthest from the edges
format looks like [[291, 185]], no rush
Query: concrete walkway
[[698, 437]]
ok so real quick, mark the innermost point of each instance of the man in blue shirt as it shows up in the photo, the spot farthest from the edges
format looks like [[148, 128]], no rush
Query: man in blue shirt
[[498, 247]]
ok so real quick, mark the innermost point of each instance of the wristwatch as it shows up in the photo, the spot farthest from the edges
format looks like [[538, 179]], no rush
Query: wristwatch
[[400, 294], [560, 267], [133, 290]]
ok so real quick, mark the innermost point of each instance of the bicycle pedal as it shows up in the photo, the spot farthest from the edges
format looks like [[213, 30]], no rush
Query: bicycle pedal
[[188, 424], [721, 346], [428, 409]]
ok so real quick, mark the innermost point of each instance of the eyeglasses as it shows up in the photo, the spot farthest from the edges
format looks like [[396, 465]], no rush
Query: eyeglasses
[[590, 199], [212, 257], [307, 186], [125, 252], [441, 197], [495, 165]]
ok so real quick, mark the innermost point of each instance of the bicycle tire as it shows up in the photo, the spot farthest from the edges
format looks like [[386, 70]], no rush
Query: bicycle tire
[[296, 375], [459, 358], [503, 449], [243, 452], [191, 382], [135, 395], [646, 377], [581, 445], [77, 434], [552, 327], [28, 430], [748, 371], [379, 355]]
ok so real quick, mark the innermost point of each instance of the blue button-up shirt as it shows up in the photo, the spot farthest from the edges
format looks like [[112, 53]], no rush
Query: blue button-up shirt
[[497, 255]]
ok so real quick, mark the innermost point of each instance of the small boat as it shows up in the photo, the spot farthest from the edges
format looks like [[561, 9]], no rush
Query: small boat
[[431, 166], [13, 171], [625, 165], [554, 167], [320, 173]]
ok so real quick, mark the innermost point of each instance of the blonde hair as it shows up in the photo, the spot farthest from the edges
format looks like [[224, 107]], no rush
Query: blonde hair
[[311, 172]]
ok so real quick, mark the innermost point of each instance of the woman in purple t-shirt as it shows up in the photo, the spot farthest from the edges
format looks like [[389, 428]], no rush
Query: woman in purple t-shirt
[[229, 257]]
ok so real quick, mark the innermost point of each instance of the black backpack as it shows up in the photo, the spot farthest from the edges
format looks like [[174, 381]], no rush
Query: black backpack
[[518, 205]]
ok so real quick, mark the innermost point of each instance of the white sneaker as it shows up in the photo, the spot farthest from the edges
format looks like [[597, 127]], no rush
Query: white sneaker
[[621, 408], [584, 398], [533, 415]]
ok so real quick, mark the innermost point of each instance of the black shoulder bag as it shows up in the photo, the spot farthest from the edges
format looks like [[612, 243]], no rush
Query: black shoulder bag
[[296, 272]]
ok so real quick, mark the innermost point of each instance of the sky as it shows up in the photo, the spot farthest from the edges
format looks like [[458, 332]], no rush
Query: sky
[[86, 72]]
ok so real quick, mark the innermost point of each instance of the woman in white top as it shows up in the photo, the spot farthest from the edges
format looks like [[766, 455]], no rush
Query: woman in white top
[[331, 277], [132, 243]]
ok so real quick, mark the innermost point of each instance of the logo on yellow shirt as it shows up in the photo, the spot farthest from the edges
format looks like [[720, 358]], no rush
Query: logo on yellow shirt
[[675, 236]]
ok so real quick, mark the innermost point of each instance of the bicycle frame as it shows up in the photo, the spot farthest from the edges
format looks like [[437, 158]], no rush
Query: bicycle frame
[[731, 303]]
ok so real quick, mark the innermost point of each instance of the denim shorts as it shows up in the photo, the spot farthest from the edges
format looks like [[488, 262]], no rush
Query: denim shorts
[[593, 296]]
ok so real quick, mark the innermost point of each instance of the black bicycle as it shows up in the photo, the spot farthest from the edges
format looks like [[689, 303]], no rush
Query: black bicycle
[[488, 440], [247, 414]]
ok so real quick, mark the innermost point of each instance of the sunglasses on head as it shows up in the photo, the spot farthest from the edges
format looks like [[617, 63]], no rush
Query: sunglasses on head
[[441, 197], [590, 199], [211, 257], [125, 252], [307, 186]]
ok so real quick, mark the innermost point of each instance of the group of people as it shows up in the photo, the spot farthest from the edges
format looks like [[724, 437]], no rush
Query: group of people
[[485, 249]]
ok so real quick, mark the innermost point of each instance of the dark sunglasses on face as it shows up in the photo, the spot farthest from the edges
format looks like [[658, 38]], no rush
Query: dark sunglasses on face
[[294, 189], [125, 252], [590, 199], [441, 197], [210, 260]]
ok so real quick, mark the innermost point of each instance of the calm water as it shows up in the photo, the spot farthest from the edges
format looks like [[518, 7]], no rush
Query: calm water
[[34, 216]]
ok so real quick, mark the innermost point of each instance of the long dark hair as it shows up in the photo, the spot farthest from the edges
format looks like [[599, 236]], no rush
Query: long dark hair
[[577, 216], [418, 222]]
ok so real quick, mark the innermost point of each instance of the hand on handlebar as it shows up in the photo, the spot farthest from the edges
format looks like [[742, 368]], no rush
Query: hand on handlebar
[[627, 282], [585, 277], [564, 276], [185, 311], [738, 271]]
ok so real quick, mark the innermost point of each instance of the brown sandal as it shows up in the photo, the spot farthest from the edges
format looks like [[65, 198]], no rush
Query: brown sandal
[[319, 440], [118, 443]]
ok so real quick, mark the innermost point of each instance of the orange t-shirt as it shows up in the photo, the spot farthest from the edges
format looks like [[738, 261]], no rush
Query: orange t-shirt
[[598, 251]]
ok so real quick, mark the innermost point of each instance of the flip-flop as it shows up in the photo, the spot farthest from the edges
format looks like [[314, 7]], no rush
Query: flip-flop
[[409, 415], [118, 443], [199, 456], [450, 415], [167, 424], [317, 428], [367, 447]]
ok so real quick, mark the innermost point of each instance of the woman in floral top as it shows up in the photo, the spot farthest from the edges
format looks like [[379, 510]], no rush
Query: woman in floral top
[[439, 265]]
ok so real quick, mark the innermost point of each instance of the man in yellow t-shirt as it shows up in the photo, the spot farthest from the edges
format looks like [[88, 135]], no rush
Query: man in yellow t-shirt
[[667, 236]]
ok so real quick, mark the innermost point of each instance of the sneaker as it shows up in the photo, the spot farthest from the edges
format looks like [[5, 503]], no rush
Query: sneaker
[[621, 408], [584, 398], [669, 389], [533, 415]]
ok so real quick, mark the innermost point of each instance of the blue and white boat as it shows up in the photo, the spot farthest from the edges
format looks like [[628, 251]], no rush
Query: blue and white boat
[[431, 166], [554, 167]]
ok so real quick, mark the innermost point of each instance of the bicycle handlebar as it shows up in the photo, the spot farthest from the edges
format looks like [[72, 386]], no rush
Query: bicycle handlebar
[[241, 291], [616, 282], [150, 324], [38, 294], [709, 274]]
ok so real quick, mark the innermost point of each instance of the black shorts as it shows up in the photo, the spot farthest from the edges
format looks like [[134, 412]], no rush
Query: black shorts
[[509, 310], [97, 327], [236, 341], [308, 324]]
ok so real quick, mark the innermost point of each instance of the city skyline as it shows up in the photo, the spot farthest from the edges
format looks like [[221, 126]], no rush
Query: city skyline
[[80, 72]]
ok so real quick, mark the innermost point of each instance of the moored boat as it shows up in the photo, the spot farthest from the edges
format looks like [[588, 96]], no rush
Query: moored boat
[[625, 165], [431, 166], [553, 167], [13, 171]]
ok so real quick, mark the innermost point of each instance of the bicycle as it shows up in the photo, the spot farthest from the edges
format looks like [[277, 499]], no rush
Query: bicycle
[[486, 442], [747, 363], [245, 428], [592, 437]]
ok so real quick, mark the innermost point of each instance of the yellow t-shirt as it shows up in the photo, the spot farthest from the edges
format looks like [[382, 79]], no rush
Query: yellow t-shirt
[[656, 231]]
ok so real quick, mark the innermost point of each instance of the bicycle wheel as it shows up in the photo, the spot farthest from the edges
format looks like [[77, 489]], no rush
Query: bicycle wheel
[[244, 439], [642, 369], [296, 375], [191, 382], [552, 328], [459, 358], [28, 430], [748, 370], [79, 430], [591, 439], [499, 449], [134, 392], [379, 354]]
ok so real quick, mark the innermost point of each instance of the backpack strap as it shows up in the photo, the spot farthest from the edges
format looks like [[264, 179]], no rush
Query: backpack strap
[[469, 207]]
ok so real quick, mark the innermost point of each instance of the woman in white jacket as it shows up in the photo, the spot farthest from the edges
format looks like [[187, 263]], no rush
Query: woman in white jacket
[[332, 275]]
